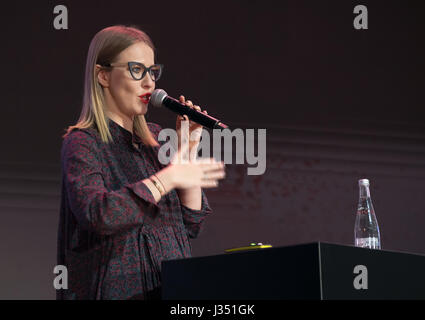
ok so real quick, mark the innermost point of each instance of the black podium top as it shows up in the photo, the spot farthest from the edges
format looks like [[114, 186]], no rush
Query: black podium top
[[309, 271]]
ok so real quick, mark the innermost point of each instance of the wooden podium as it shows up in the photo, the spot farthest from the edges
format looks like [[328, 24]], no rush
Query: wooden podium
[[314, 271]]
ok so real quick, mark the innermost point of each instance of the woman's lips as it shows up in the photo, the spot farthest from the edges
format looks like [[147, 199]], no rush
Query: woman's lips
[[145, 97]]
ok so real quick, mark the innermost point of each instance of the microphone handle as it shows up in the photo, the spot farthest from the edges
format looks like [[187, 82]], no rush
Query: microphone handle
[[194, 115]]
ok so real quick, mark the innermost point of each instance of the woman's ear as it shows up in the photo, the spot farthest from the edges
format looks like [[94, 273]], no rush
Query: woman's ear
[[102, 76]]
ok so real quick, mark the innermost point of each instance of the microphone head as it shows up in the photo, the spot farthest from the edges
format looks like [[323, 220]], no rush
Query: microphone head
[[158, 95]]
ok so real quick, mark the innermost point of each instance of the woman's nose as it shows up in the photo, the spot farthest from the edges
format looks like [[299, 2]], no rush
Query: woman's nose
[[147, 81]]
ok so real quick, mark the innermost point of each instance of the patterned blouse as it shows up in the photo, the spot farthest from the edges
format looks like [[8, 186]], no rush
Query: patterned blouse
[[112, 237]]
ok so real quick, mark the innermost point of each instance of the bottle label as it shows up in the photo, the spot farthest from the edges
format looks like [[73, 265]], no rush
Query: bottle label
[[370, 242]]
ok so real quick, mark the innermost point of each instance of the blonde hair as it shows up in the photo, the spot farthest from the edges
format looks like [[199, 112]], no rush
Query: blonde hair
[[105, 46]]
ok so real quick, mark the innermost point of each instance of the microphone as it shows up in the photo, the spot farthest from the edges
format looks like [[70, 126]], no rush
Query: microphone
[[160, 98]]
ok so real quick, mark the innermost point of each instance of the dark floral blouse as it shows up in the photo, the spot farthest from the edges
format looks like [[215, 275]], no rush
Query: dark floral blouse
[[112, 237]]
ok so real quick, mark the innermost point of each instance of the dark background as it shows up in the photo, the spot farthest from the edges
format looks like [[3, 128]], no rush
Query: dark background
[[338, 104]]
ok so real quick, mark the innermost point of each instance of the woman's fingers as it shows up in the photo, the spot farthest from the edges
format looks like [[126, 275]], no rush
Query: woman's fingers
[[209, 184], [189, 103], [204, 172], [183, 100], [214, 175], [211, 168], [211, 165], [213, 171]]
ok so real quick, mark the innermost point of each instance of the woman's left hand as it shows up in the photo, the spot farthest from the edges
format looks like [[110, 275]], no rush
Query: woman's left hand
[[193, 135]]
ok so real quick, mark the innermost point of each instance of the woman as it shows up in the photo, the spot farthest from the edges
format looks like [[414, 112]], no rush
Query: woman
[[122, 211]]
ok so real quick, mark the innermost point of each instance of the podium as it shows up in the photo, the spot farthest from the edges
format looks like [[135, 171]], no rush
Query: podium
[[313, 271]]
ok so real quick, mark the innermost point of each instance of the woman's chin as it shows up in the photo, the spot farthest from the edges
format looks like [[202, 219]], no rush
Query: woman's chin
[[141, 110]]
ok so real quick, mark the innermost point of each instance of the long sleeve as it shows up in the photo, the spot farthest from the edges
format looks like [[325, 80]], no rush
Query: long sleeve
[[194, 219], [94, 207]]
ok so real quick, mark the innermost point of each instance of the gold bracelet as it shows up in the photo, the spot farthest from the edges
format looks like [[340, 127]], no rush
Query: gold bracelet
[[157, 186], [162, 185]]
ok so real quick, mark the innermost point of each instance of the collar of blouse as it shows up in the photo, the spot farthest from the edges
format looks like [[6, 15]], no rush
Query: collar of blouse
[[122, 135]]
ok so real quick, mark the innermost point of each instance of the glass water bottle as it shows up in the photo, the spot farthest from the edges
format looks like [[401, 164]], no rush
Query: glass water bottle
[[366, 229]]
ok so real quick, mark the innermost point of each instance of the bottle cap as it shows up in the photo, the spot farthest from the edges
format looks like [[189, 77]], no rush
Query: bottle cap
[[364, 182]]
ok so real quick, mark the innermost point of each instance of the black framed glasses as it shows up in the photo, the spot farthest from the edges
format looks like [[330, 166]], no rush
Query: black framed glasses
[[138, 70]]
